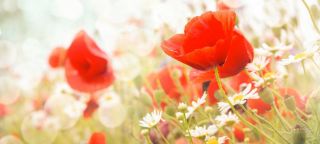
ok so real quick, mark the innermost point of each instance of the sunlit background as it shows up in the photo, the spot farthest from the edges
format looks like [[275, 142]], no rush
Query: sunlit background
[[31, 29]]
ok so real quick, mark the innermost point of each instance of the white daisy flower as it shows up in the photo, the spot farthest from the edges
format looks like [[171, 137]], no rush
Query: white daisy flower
[[258, 64], [151, 120], [239, 98], [265, 79], [278, 49], [220, 140], [226, 119], [196, 104], [308, 53], [199, 132], [204, 131]]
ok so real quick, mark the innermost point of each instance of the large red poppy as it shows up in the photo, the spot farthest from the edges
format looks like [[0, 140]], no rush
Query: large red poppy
[[87, 67], [209, 41], [97, 138]]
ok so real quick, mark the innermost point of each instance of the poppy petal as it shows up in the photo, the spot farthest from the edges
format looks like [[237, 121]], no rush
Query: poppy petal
[[227, 19], [240, 53]]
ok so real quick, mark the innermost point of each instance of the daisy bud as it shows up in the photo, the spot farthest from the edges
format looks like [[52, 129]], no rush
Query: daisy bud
[[208, 109], [290, 103], [183, 107], [246, 140], [179, 115], [266, 95], [246, 130], [144, 132]]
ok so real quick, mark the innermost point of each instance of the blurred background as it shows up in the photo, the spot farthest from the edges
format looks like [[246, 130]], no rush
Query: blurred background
[[31, 29]]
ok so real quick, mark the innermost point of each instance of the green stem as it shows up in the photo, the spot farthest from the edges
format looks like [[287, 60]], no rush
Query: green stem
[[264, 121], [216, 72], [148, 139], [302, 121], [188, 128], [162, 136], [311, 16], [282, 120]]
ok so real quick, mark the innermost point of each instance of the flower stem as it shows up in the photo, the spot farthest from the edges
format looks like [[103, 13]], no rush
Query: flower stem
[[188, 128], [264, 121], [311, 16], [216, 72], [148, 139], [162, 136], [282, 120]]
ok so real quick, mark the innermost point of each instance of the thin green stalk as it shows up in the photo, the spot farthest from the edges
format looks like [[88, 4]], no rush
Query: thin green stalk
[[162, 136], [216, 72], [188, 128], [148, 139], [282, 120], [265, 121], [311, 16]]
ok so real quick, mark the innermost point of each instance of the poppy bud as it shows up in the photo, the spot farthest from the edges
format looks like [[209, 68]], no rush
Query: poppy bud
[[266, 95], [183, 107], [299, 135], [290, 103]]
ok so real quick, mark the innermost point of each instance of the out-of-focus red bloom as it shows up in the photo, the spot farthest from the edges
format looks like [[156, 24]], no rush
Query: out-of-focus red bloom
[[259, 105], [3, 110], [300, 100], [212, 89], [97, 138], [87, 67], [164, 79], [209, 41], [92, 106], [57, 57], [239, 79], [238, 132]]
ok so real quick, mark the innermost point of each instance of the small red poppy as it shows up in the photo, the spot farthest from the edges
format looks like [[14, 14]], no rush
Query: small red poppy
[[97, 138], [239, 132], [57, 57], [209, 41], [87, 67], [164, 79], [3, 110], [259, 105]]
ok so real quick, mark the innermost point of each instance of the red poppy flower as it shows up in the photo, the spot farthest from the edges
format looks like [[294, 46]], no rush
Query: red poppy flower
[[239, 132], [237, 80], [57, 57], [209, 41], [164, 79], [212, 89], [3, 110], [259, 105], [97, 138], [87, 67]]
